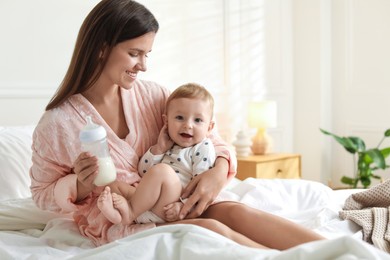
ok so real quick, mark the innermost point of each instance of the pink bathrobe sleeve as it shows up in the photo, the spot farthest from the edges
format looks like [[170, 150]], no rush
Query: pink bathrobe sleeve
[[223, 150], [56, 146]]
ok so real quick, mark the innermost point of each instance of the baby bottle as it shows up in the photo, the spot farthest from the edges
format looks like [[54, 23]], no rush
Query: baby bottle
[[93, 140]]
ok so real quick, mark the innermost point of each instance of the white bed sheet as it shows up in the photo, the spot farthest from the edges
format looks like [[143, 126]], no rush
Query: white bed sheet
[[29, 233]]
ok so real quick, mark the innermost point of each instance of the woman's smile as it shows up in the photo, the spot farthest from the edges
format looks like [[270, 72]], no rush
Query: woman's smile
[[132, 75]]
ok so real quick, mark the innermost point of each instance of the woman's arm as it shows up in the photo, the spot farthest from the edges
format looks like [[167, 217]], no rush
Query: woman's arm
[[57, 184], [223, 150], [204, 188]]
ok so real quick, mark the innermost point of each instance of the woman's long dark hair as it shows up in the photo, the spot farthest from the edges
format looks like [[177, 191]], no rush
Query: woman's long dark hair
[[109, 23]]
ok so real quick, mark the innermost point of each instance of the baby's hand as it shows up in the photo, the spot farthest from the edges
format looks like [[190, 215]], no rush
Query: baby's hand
[[172, 211]]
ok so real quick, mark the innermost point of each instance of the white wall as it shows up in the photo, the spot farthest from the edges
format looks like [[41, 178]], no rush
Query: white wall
[[361, 79], [35, 48], [312, 104], [341, 80]]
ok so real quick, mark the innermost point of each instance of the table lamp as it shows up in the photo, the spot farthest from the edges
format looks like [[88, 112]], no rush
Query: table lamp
[[262, 115]]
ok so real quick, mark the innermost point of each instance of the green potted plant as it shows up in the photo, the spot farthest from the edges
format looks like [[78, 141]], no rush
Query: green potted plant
[[366, 161]]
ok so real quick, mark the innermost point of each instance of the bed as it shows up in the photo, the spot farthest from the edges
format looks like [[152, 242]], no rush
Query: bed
[[29, 233]]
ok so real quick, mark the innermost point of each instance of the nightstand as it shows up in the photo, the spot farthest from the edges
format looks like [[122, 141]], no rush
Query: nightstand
[[269, 166]]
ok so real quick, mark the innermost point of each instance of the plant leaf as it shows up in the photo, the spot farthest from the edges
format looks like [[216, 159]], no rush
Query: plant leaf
[[385, 152], [348, 180], [387, 132], [351, 144], [366, 181], [359, 143], [348, 144], [374, 155]]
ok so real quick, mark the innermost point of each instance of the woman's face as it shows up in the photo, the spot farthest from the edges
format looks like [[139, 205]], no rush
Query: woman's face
[[126, 60]]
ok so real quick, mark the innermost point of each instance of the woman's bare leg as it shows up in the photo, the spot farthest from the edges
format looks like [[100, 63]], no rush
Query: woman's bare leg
[[269, 230], [221, 229]]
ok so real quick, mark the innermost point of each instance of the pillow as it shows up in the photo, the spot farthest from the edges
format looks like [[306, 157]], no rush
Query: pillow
[[19, 214], [15, 161], [283, 195]]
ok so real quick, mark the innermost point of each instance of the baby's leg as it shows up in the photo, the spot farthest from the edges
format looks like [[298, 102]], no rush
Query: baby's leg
[[105, 204], [159, 187]]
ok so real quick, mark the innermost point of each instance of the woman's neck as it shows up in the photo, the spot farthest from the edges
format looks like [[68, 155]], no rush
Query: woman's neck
[[108, 103], [100, 95]]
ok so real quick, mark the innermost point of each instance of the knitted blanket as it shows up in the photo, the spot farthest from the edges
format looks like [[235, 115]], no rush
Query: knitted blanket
[[370, 209]]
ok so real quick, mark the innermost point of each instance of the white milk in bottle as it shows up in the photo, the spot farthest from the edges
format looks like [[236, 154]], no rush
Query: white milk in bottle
[[93, 140]]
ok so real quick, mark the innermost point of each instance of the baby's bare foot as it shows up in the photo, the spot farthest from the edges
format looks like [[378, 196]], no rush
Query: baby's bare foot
[[105, 204], [122, 205]]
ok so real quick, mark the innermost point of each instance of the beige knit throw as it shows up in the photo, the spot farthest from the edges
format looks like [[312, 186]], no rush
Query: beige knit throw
[[370, 209]]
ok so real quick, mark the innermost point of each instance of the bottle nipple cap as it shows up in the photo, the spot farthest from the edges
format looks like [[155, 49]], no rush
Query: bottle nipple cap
[[92, 132]]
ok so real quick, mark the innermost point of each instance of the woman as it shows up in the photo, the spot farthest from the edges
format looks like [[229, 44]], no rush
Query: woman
[[101, 81]]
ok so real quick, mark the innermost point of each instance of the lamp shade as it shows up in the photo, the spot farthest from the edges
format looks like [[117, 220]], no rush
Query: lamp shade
[[262, 114]]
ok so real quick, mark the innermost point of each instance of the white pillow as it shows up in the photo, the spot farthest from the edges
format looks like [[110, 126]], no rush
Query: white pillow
[[283, 195], [19, 214], [15, 162]]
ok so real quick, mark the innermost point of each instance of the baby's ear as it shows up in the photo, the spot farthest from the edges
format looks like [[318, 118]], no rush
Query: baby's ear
[[165, 119], [211, 126]]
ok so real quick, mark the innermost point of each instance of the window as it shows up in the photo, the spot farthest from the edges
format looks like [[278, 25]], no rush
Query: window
[[219, 44]]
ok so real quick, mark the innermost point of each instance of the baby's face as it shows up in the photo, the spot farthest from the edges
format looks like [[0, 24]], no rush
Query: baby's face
[[189, 121]]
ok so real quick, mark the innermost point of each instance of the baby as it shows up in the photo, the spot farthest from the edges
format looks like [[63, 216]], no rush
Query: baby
[[183, 151]]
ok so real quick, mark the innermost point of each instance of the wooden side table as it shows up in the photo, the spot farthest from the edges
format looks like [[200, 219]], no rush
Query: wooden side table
[[269, 166]]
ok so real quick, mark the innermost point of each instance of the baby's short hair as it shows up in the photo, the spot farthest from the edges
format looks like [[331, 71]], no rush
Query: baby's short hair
[[192, 91]]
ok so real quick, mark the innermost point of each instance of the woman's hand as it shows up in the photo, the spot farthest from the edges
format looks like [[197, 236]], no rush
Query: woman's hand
[[86, 168], [164, 142], [203, 189]]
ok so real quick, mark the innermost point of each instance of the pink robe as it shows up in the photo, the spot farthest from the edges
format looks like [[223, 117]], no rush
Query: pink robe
[[56, 146]]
